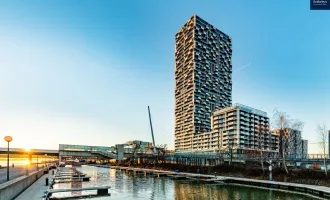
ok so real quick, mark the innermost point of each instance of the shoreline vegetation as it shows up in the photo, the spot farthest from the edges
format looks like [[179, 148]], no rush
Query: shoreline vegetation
[[302, 176]]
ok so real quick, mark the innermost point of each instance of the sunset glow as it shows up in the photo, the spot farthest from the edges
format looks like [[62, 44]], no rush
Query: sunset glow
[[27, 162]]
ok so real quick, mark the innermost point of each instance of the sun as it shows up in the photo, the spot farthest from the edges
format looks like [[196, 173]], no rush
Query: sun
[[27, 162]]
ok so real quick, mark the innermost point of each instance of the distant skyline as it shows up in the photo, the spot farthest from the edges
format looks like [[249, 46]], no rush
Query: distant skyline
[[84, 72]]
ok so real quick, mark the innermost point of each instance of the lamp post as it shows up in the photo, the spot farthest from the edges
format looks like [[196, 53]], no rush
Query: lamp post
[[28, 159], [37, 164], [8, 139]]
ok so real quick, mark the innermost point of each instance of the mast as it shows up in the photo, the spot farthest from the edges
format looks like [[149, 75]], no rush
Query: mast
[[152, 132]]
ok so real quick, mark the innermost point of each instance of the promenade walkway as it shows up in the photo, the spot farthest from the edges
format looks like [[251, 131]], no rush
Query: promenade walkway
[[37, 190]]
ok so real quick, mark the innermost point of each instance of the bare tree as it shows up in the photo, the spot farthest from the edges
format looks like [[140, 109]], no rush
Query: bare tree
[[161, 152], [261, 158], [322, 133], [228, 151], [279, 121], [293, 140], [286, 126]]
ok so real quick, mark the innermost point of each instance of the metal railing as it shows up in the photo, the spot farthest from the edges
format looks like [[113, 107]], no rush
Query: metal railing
[[104, 153]]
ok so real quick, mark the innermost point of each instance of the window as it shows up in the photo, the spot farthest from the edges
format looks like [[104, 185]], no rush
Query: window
[[219, 61], [209, 34], [212, 68], [212, 107]]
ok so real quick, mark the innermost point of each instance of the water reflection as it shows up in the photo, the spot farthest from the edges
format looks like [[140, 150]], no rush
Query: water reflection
[[232, 192], [76, 185], [128, 187]]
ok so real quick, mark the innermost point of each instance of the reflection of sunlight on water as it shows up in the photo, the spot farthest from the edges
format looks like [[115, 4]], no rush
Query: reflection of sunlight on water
[[16, 161], [128, 187], [21, 160]]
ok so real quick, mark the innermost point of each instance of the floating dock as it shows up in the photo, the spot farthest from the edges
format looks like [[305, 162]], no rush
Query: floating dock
[[101, 191], [70, 174], [83, 178]]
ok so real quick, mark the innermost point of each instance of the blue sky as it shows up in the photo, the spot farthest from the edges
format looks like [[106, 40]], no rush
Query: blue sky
[[84, 72]]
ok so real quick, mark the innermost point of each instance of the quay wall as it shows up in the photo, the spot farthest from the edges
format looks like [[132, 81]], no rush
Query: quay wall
[[11, 189]]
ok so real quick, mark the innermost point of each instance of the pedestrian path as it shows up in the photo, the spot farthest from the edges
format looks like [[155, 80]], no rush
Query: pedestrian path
[[37, 190]]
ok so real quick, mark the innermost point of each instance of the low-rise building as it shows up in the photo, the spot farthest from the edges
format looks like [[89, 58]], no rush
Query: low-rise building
[[304, 146]]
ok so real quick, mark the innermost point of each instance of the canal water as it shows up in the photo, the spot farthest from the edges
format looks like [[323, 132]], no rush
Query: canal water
[[129, 187], [22, 160]]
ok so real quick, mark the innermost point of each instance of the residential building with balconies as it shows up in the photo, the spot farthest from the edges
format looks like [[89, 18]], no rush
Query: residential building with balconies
[[238, 127], [203, 81]]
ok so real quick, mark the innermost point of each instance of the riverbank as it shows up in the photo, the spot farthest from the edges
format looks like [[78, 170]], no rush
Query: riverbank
[[319, 191]]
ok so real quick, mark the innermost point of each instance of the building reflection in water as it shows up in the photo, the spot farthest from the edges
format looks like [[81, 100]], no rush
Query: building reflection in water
[[128, 186], [192, 191], [76, 184]]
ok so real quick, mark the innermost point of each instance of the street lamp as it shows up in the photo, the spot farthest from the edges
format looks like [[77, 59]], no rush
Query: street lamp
[[8, 139], [37, 163]]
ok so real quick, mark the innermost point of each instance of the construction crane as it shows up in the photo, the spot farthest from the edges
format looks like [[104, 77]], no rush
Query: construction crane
[[152, 132]]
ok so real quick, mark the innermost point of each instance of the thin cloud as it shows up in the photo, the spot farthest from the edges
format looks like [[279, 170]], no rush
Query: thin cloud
[[243, 67]]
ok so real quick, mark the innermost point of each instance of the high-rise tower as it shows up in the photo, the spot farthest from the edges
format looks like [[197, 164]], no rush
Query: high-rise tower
[[203, 82]]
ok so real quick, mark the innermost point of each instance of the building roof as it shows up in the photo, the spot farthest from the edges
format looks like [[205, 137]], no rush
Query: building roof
[[242, 107]]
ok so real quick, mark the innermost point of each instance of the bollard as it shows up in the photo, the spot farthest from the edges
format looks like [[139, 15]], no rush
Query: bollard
[[47, 181]]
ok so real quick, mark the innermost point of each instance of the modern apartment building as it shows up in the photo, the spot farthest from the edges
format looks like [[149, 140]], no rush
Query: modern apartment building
[[203, 82], [293, 143], [238, 127], [304, 150]]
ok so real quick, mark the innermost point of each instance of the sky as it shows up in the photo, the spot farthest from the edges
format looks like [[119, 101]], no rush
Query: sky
[[84, 72]]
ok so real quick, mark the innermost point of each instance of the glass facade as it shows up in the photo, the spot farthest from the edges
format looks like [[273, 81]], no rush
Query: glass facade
[[128, 147], [70, 147]]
